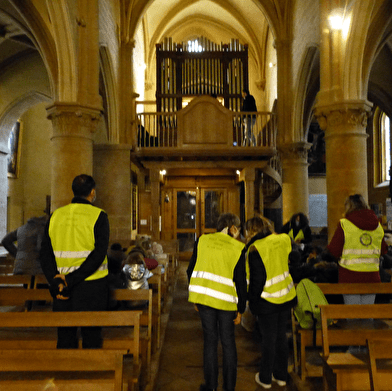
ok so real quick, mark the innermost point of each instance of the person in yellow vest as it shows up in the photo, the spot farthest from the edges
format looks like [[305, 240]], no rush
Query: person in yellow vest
[[357, 244], [217, 287], [73, 259], [298, 229], [271, 296]]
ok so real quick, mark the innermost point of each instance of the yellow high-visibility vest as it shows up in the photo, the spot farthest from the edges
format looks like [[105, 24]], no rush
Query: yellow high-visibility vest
[[362, 249], [300, 235], [211, 282], [71, 231], [274, 251]]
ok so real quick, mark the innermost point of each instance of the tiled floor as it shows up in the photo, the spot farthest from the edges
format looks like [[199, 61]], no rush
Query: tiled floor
[[180, 363]]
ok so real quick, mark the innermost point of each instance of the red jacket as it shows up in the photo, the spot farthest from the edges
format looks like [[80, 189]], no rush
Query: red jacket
[[364, 219]]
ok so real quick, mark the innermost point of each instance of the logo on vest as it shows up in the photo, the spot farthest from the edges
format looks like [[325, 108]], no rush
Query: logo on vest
[[366, 239]]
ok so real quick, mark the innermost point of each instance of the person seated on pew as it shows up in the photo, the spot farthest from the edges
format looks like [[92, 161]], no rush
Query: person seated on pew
[[142, 244], [136, 275]]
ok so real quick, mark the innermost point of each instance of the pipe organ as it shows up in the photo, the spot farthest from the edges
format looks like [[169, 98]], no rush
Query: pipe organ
[[208, 69]]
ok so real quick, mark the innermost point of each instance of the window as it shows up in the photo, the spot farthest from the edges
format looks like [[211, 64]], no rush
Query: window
[[194, 46], [382, 147]]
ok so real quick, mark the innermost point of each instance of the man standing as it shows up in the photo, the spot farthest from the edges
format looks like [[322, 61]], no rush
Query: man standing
[[249, 105], [73, 259], [217, 287]]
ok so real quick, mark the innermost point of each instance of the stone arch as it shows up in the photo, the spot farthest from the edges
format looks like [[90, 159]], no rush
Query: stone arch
[[110, 99], [308, 84], [10, 115]]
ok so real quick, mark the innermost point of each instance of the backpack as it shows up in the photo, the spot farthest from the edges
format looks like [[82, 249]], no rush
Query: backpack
[[309, 296]]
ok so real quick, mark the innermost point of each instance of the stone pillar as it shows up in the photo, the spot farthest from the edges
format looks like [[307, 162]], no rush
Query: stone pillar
[[3, 190], [346, 157], [72, 152], [126, 92], [295, 189], [248, 175], [112, 174], [155, 204]]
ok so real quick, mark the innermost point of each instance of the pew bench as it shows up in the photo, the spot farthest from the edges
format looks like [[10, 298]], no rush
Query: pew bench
[[343, 370], [380, 356], [112, 338], [303, 338], [28, 345], [155, 284]]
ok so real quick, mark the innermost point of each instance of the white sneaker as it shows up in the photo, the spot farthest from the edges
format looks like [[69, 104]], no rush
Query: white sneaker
[[279, 382], [257, 380]]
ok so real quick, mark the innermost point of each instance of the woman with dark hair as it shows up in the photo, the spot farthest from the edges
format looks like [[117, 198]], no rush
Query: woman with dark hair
[[358, 243], [298, 229], [217, 287]]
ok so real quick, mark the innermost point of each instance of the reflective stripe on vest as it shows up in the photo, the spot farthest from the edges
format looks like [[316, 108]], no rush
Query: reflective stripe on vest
[[362, 248], [211, 282], [274, 251], [71, 231]]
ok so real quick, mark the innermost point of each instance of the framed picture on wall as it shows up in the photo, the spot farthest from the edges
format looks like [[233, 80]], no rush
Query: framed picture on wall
[[14, 145]]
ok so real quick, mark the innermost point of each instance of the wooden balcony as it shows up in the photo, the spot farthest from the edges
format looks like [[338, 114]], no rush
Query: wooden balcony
[[204, 130]]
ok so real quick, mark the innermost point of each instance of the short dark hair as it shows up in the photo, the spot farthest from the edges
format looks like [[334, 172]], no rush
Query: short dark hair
[[82, 185], [246, 91]]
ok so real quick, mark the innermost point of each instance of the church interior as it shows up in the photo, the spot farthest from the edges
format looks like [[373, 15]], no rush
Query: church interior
[[146, 96]]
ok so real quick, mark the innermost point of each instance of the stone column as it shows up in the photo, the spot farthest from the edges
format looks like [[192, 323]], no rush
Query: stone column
[[295, 189], [72, 152], [155, 205], [248, 175], [3, 189], [112, 173], [346, 157], [126, 92]]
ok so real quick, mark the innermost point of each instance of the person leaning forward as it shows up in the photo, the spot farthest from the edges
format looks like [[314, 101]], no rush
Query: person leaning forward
[[73, 259], [217, 286]]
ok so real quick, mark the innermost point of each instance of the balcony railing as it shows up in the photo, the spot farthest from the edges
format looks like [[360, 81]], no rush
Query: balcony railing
[[246, 129]]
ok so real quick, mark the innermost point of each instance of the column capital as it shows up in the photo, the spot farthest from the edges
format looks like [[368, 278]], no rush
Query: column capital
[[71, 119], [295, 151], [354, 112]]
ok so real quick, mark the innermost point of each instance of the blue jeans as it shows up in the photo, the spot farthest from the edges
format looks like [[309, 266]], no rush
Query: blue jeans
[[274, 346], [218, 323]]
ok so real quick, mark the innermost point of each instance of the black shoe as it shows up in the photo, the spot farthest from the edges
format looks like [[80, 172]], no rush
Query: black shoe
[[204, 388]]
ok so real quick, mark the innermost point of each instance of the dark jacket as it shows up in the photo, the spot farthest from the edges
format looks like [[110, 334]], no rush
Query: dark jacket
[[92, 262], [257, 279]]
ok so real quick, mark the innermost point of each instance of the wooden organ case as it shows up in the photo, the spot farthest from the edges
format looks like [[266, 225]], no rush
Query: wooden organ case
[[209, 69]]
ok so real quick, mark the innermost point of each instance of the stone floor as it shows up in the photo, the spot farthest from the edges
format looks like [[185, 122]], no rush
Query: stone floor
[[178, 364]]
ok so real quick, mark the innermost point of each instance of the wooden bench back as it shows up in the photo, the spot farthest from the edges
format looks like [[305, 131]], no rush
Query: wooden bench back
[[378, 349], [354, 311], [9, 280], [19, 296], [355, 288], [78, 319]]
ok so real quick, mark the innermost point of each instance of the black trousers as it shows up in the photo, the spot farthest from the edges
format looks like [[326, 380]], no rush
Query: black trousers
[[87, 296]]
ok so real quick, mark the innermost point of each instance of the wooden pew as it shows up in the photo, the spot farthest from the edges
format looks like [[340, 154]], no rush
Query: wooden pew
[[343, 370], [24, 352], [164, 286], [20, 298], [16, 280], [304, 337], [379, 349], [128, 296], [155, 284], [7, 264]]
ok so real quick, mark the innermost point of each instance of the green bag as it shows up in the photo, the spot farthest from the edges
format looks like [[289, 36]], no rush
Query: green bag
[[309, 296]]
